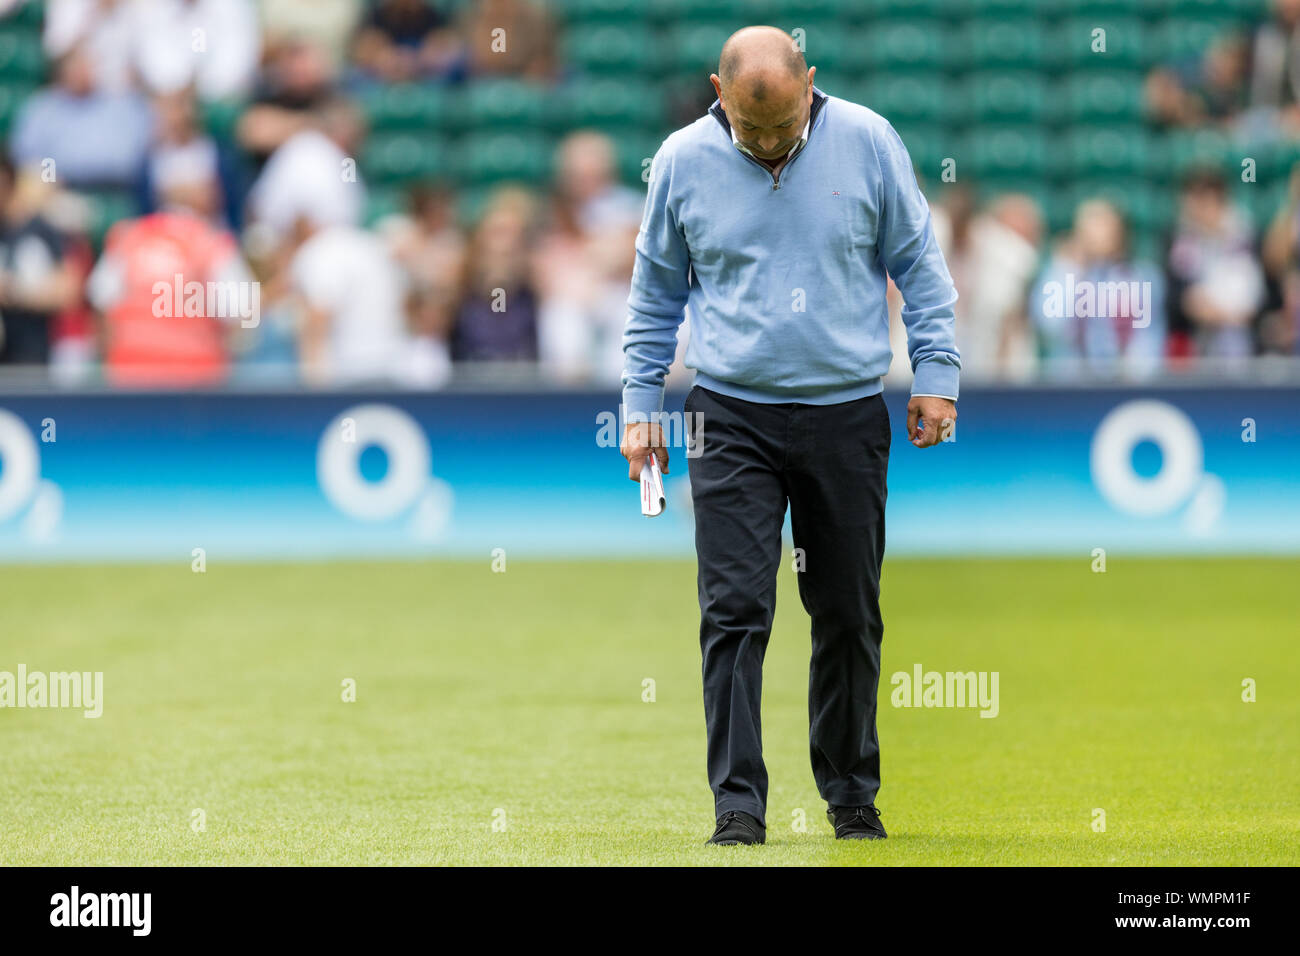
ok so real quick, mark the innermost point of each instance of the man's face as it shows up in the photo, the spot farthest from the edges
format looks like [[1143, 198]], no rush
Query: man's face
[[769, 128]]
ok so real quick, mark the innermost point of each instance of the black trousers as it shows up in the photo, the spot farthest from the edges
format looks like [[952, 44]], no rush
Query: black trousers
[[829, 463]]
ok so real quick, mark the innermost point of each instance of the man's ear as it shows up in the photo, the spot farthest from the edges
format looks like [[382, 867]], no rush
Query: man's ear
[[717, 87], [812, 71]]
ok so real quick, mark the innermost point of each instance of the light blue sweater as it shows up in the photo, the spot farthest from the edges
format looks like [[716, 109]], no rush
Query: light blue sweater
[[785, 278]]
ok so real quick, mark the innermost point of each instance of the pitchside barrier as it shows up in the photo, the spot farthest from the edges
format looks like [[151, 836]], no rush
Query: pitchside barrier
[[103, 476]]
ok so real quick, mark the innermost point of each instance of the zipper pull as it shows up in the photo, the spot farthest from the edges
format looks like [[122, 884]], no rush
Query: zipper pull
[[776, 184]]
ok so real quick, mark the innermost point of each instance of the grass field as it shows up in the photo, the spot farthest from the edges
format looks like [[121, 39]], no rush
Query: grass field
[[522, 692]]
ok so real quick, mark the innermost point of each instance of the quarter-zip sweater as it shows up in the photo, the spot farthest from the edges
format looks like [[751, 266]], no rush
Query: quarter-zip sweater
[[785, 274]]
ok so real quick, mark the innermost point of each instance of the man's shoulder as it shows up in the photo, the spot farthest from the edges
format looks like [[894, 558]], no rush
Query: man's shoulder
[[691, 141], [854, 115]]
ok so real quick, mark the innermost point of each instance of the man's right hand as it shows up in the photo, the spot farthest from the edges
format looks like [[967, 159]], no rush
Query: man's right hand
[[641, 439]]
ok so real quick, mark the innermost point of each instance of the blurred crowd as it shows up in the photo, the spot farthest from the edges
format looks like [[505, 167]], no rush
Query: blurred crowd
[[254, 258], [1220, 286]]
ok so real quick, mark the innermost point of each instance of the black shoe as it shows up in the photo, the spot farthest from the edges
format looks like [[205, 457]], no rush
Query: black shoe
[[856, 823], [736, 827]]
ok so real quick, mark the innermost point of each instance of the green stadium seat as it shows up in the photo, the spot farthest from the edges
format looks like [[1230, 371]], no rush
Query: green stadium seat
[[1006, 96], [1111, 151], [12, 97], [1262, 201], [879, 11], [504, 102], [831, 48], [611, 48], [1183, 151], [1184, 39], [910, 45], [404, 156], [1018, 11], [634, 150], [522, 156], [1014, 153], [1064, 9], [21, 57], [987, 44], [601, 11], [1129, 44], [928, 145], [693, 48], [607, 103], [1227, 13], [412, 106], [1091, 97], [908, 97], [800, 11], [1273, 160], [221, 117], [682, 12], [30, 14]]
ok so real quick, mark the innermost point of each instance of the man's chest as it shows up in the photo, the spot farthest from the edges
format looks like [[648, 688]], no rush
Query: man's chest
[[745, 213]]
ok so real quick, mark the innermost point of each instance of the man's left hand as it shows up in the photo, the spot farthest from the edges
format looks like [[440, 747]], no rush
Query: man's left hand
[[929, 420]]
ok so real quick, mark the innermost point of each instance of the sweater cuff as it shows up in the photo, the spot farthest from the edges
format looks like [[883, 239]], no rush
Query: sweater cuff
[[936, 378], [642, 403]]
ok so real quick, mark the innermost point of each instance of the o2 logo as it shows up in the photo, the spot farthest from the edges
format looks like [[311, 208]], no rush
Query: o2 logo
[[21, 484], [408, 484], [1181, 480]]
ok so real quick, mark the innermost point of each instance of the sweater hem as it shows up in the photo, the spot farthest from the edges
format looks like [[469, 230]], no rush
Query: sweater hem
[[834, 396]]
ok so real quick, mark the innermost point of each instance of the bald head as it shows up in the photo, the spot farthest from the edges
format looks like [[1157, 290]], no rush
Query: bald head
[[758, 60], [765, 88]]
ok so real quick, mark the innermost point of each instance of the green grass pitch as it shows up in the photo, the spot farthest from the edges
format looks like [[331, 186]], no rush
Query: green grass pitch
[[517, 697]]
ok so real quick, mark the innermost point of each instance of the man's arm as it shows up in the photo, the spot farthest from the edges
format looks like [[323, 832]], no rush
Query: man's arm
[[910, 254], [655, 309]]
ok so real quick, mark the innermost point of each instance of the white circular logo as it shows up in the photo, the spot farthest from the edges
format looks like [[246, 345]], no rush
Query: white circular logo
[[1182, 457], [20, 464], [338, 462]]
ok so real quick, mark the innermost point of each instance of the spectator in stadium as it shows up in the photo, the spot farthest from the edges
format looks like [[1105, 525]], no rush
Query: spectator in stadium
[[352, 306], [425, 240], [183, 157], [326, 26], [430, 248], [992, 258], [108, 29], [212, 45], [1216, 282], [509, 38], [1096, 307], [1279, 332], [160, 45], [404, 40], [1211, 90], [91, 138], [313, 173], [584, 264], [36, 280], [297, 81], [157, 329], [496, 319], [1274, 90]]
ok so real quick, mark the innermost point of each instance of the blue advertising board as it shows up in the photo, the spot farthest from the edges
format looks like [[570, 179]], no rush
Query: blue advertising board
[[145, 476]]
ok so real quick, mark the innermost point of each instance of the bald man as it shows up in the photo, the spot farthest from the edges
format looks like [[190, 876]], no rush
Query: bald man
[[778, 218]]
